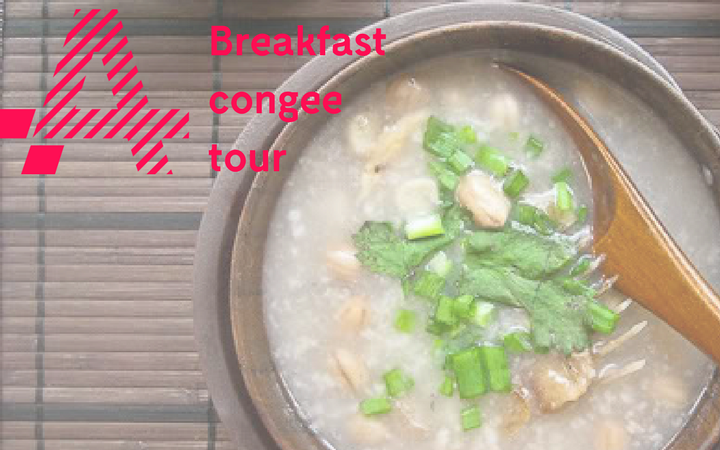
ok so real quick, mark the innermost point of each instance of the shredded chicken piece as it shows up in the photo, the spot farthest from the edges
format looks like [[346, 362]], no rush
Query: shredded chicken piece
[[342, 263], [486, 201], [349, 369], [387, 147], [354, 315]]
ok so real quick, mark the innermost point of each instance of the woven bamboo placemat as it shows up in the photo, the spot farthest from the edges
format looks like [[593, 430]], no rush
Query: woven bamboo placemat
[[96, 337]]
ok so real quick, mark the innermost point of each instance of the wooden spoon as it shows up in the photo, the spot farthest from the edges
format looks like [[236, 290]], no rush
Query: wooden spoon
[[651, 267]]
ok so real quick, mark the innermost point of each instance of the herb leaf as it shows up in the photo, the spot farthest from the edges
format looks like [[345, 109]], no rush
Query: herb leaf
[[559, 318], [382, 250], [533, 255]]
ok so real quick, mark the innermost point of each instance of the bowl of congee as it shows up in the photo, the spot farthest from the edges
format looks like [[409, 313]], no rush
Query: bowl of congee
[[419, 273]]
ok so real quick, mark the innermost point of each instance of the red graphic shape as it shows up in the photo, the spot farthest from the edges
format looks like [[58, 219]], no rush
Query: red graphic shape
[[42, 160], [15, 123]]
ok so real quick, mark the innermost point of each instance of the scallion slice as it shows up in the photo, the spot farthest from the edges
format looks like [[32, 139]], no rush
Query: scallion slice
[[440, 264], [447, 388], [444, 145], [526, 214], [602, 318], [492, 160], [463, 306], [582, 214], [469, 373], [374, 406], [425, 226], [460, 162], [434, 128], [467, 134], [447, 179], [564, 174], [397, 383], [483, 313], [563, 197], [471, 418], [428, 285], [582, 266], [534, 146], [495, 362], [444, 311], [518, 342], [405, 321], [515, 183]]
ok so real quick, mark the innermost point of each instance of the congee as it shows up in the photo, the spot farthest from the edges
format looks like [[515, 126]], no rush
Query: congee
[[429, 283]]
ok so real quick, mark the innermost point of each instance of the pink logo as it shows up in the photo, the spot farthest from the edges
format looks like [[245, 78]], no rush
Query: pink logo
[[44, 159]]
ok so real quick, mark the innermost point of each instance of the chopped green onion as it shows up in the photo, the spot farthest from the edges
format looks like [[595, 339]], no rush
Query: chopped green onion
[[471, 418], [467, 134], [435, 127], [374, 406], [440, 264], [518, 342], [563, 196], [484, 313], [514, 135], [425, 226], [444, 311], [447, 388], [582, 266], [469, 373], [444, 145], [536, 218], [460, 162], [495, 362], [429, 285], [515, 183], [602, 318], [436, 328], [578, 287], [447, 179], [582, 214], [492, 160], [544, 223], [534, 146], [397, 383], [563, 175], [405, 321], [463, 306], [526, 214]]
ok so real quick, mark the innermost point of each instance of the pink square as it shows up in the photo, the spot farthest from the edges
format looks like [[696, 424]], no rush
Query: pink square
[[15, 123], [42, 159]]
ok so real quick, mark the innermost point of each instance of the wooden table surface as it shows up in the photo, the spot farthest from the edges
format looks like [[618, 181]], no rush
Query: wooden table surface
[[96, 261]]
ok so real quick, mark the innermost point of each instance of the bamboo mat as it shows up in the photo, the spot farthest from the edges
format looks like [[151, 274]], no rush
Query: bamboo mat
[[95, 316]]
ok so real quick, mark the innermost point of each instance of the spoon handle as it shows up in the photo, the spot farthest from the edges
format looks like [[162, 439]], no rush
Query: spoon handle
[[654, 271]]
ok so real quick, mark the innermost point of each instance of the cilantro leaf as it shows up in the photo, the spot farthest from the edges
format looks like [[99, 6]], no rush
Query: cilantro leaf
[[382, 250], [559, 318], [534, 256]]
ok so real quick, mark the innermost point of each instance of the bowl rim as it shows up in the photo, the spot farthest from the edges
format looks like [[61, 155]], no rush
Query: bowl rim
[[218, 356]]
